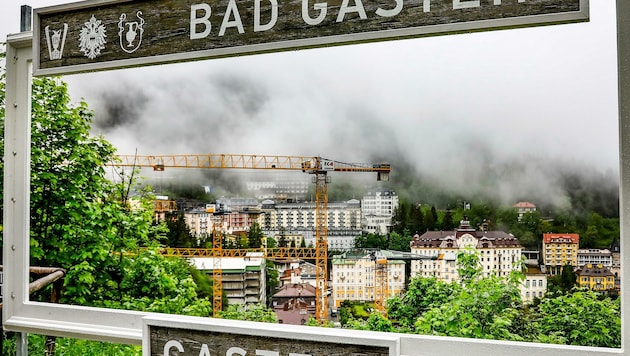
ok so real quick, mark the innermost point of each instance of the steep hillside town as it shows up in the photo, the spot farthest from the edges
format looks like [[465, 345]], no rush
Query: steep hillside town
[[362, 273]]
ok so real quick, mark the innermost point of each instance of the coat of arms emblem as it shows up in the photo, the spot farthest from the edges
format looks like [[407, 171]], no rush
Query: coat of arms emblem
[[92, 38], [130, 32], [56, 40]]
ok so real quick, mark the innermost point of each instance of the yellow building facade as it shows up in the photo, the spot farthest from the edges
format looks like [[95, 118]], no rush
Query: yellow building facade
[[595, 277], [560, 250]]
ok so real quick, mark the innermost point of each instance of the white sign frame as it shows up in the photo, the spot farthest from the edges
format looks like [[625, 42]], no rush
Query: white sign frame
[[22, 315], [248, 328], [283, 45]]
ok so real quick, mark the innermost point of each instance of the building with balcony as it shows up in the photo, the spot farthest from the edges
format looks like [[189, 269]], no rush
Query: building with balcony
[[559, 250], [243, 278], [355, 276], [499, 252], [593, 256], [297, 221]]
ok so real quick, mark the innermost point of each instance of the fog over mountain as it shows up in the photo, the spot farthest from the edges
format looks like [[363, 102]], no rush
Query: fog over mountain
[[510, 115]]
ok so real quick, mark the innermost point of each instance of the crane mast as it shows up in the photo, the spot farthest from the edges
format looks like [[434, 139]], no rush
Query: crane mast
[[317, 166]]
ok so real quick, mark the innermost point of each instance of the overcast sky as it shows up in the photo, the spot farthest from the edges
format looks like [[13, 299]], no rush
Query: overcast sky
[[451, 107]]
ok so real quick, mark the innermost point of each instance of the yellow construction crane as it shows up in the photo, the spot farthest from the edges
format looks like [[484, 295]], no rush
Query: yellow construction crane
[[381, 274], [318, 166]]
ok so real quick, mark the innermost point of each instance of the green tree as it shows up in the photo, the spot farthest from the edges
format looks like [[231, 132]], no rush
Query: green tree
[[417, 220], [483, 309], [468, 265], [580, 318], [371, 240], [430, 220], [255, 236], [447, 221], [564, 282], [399, 242], [251, 312], [78, 218], [272, 280], [271, 242], [422, 294], [156, 283], [401, 218], [178, 234], [92, 226]]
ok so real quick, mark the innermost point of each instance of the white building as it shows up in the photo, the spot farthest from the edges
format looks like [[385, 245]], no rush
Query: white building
[[524, 207], [291, 219], [353, 276], [243, 278], [201, 223], [594, 257], [378, 209], [534, 285], [499, 252], [280, 188]]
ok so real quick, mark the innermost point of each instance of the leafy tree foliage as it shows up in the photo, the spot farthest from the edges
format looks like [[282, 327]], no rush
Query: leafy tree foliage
[[255, 236], [251, 312], [447, 221], [178, 234], [421, 295], [580, 318], [564, 282], [483, 309], [90, 225], [371, 240], [272, 279], [399, 242]]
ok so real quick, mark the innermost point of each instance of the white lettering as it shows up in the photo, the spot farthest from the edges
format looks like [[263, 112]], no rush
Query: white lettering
[[231, 9], [204, 350], [465, 4], [345, 8], [194, 21], [393, 12], [235, 351], [267, 353], [170, 344], [274, 16], [321, 6]]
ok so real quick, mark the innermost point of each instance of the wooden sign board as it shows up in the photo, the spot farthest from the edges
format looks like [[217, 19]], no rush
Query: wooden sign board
[[107, 34], [178, 335]]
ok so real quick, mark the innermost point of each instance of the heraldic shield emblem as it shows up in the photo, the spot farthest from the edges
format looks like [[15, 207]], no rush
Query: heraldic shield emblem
[[130, 32]]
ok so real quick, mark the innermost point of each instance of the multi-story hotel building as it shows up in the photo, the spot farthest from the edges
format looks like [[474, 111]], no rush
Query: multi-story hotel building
[[354, 276], [291, 219], [378, 209], [560, 250], [500, 252]]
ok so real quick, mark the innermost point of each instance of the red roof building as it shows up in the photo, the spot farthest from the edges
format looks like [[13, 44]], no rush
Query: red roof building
[[560, 250]]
